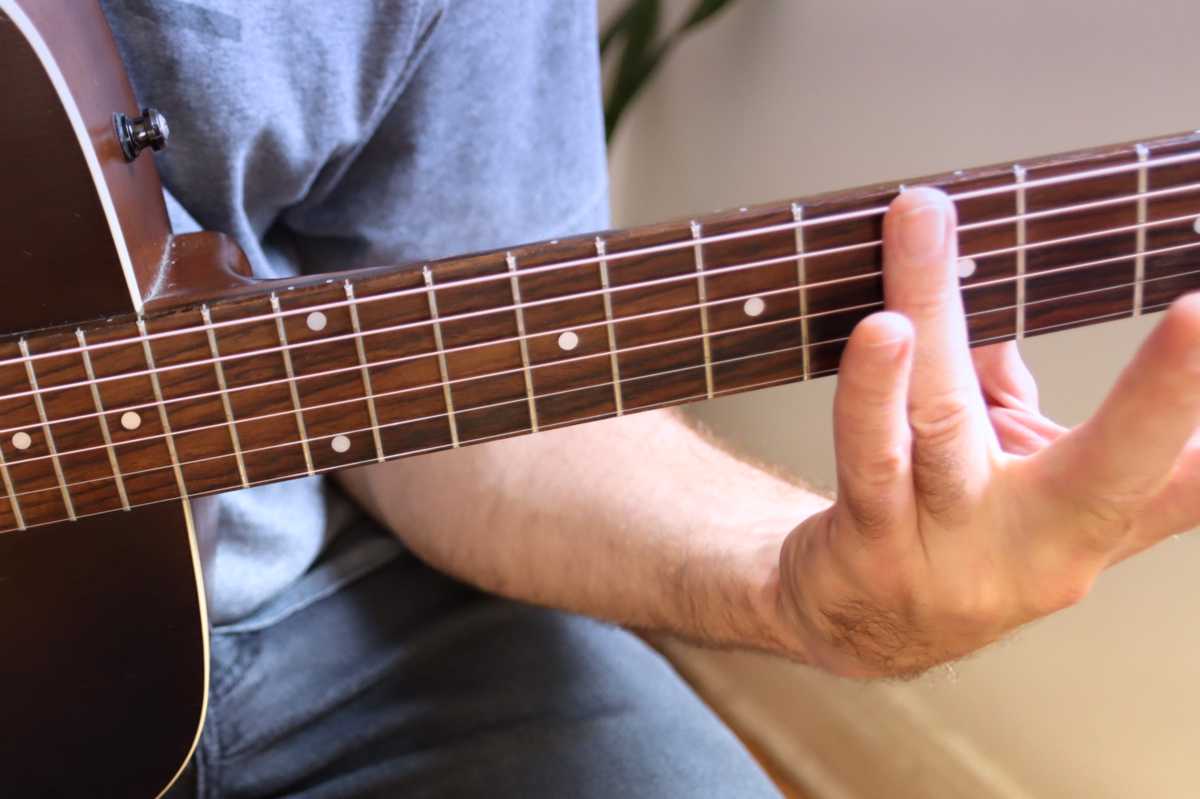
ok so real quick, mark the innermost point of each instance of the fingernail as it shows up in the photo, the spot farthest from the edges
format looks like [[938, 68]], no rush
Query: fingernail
[[923, 230]]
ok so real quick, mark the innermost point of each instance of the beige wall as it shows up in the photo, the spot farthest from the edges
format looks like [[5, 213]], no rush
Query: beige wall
[[786, 97]]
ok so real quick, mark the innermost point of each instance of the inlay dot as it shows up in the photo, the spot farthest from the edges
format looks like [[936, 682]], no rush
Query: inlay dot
[[568, 341], [316, 321], [130, 420], [22, 440], [966, 267], [1196, 227], [754, 306], [340, 443]]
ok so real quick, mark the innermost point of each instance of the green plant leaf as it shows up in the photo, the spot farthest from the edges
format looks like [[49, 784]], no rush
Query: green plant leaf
[[616, 28], [637, 27], [702, 11]]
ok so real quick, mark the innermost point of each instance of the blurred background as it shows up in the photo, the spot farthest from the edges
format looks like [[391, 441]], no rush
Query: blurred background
[[781, 98]]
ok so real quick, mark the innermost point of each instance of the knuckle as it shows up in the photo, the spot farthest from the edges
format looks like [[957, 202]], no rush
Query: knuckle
[[871, 516], [1108, 517], [1065, 590], [941, 419], [939, 481], [938, 425], [878, 470], [929, 304], [869, 392], [979, 605], [867, 487]]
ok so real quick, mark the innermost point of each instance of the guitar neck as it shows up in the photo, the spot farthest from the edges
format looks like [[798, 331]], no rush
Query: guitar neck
[[298, 379]]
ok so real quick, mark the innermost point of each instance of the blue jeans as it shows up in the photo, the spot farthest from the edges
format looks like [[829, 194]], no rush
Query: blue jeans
[[376, 676]]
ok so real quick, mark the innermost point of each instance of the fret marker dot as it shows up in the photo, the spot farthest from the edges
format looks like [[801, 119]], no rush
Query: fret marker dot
[[340, 443], [130, 420], [22, 440], [966, 267], [568, 341], [316, 321], [754, 306], [1196, 227]]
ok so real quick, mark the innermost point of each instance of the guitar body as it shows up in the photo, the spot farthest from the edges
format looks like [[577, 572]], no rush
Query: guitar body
[[103, 637]]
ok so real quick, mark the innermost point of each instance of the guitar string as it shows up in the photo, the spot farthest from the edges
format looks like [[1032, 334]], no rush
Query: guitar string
[[556, 425], [117, 410], [703, 240], [291, 346], [546, 395], [190, 397]]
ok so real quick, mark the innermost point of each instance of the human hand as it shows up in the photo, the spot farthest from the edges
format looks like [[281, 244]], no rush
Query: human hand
[[963, 513]]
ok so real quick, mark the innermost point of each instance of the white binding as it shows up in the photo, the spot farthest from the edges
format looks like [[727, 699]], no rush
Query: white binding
[[26, 28], [31, 34], [203, 605]]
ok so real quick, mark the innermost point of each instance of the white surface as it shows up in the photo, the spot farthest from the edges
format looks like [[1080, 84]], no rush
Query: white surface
[[568, 341], [754, 306], [316, 321]]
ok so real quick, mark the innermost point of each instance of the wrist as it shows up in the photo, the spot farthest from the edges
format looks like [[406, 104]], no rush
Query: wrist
[[746, 603]]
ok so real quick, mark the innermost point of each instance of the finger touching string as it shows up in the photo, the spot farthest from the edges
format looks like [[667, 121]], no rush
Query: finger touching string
[[946, 409]]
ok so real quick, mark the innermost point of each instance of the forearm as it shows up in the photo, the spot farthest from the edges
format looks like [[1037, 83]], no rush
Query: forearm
[[640, 520]]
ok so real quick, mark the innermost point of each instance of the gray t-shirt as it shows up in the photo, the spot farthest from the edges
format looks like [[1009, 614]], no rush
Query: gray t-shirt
[[338, 135]]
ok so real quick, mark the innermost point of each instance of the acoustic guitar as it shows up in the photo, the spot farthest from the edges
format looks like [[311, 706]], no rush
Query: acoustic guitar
[[141, 372]]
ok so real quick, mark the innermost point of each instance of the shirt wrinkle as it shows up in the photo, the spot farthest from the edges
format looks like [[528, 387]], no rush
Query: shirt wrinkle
[[327, 136]]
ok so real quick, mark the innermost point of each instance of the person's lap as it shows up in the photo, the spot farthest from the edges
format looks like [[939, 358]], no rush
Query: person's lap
[[402, 682]]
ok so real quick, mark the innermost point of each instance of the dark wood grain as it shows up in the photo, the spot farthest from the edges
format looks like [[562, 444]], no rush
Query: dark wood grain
[[668, 349]]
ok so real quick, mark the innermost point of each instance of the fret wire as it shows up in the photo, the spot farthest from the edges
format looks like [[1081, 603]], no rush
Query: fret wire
[[481, 439], [291, 381], [511, 260], [1020, 174], [661, 373], [441, 356], [811, 315], [168, 436], [702, 292], [838, 310], [674, 401], [606, 294], [41, 409], [223, 389], [802, 285], [366, 373], [410, 389], [18, 517], [848, 216], [658, 281], [1139, 264], [102, 418]]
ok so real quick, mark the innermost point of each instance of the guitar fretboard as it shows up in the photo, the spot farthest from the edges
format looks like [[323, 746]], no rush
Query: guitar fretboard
[[323, 374]]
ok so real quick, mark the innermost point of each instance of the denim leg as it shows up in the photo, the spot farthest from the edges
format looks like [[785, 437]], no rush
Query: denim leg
[[406, 683]]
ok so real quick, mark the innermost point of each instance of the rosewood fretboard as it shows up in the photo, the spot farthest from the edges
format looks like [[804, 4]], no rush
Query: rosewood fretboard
[[290, 380]]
